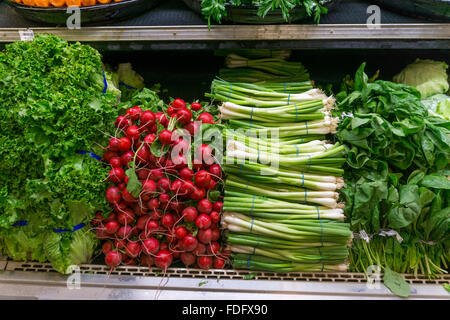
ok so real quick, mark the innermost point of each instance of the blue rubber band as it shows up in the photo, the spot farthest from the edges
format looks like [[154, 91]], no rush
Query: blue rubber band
[[229, 93], [105, 82], [20, 223], [309, 166], [249, 260], [298, 151], [306, 194], [301, 140], [251, 227], [289, 98], [127, 86], [75, 228], [306, 123], [246, 187], [92, 155], [251, 211], [296, 112]]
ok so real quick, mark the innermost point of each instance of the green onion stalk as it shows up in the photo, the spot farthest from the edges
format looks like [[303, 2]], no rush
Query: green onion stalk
[[274, 66], [255, 262], [248, 75]]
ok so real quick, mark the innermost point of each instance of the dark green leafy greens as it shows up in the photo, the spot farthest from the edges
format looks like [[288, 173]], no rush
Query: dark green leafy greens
[[54, 103], [216, 9], [397, 155]]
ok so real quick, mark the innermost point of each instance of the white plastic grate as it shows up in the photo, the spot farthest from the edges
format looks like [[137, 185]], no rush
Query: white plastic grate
[[347, 277]]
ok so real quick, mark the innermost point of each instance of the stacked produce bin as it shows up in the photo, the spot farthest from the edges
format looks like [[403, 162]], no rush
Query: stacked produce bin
[[328, 175]]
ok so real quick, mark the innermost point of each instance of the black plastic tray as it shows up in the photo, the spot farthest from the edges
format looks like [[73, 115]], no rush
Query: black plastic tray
[[247, 14], [435, 10], [109, 13]]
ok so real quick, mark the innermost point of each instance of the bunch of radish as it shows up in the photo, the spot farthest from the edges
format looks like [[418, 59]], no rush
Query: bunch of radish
[[162, 210]]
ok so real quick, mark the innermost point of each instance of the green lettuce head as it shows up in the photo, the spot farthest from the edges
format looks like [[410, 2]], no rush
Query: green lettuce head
[[428, 76]]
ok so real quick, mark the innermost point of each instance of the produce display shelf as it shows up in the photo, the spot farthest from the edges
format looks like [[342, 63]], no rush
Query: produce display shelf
[[419, 36], [39, 281]]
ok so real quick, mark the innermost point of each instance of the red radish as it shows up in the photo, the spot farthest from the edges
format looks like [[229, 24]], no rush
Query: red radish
[[201, 249], [226, 253], [154, 128], [184, 116], [204, 206], [112, 216], [202, 179], [179, 161], [163, 259], [126, 217], [181, 232], [143, 154], [113, 258], [178, 104], [113, 144], [156, 174], [189, 214], [176, 206], [147, 261], [170, 167], [218, 206], [134, 113], [206, 117], [163, 185], [143, 173], [150, 246], [205, 153], [124, 144], [192, 127], [186, 174], [165, 137], [107, 247], [147, 118], [149, 187], [212, 185], [216, 171], [141, 222], [129, 262], [120, 243], [122, 122], [167, 220], [133, 249], [152, 225], [187, 188], [127, 157], [189, 242], [98, 219], [198, 194], [109, 155], [132, 132], [134, 232], [122, 185], [153, 204], [149, 138], [124, 232], [213, 248], [203, 221], [205, 262], [187, 258], [215, 216], [113, 195], [140, 210], [181, 146], [155, 214], [128, 197], [176, 254], [176, 185], [218, 263], [115, 162], [171, 111], [215, 234], [204, 235], [171, 239], [164, 198], [163, 246], [196, 106], [162, 119], [116, 175]]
